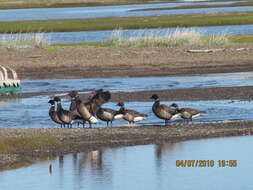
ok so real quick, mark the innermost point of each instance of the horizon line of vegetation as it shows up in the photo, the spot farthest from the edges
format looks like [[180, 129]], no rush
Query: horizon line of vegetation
[[241, 4], [59, 4], [144, 22]]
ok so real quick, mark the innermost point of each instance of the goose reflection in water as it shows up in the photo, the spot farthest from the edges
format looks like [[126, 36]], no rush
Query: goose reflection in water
[[7, 101], [86, 164], [162, 153]]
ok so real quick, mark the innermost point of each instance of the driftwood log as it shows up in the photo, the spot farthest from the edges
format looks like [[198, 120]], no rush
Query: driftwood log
[[204, 50], [216, 50]]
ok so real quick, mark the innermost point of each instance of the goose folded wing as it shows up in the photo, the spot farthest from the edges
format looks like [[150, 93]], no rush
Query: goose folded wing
[[70, 114], [108, 110], [168, 109], [192, 111], [135, 113]]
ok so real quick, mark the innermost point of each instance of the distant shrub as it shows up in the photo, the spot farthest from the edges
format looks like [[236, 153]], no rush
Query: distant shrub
[[186, 37], [20, 41]]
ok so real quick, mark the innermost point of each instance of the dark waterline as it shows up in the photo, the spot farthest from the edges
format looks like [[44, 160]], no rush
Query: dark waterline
[[147, 167]]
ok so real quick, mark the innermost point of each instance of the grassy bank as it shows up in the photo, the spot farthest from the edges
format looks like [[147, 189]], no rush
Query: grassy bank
[[14, 144], [241, 4], [18, 41], [165, 21], [6, 4], [241, 39], [160, 42], [177, 38]]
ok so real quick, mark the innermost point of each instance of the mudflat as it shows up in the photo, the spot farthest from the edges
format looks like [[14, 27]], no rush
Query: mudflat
[[83, 62]]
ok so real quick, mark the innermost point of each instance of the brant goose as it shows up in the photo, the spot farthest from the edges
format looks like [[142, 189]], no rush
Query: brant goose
[[77, 117], [84, 109], [108, 115], [131, 116], [52, 113], [87, 110], [163, 111], [98, 99], [65, 116], [188, 113]]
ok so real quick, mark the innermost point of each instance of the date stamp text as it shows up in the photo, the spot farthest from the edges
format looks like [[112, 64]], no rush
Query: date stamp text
[[206, 163]]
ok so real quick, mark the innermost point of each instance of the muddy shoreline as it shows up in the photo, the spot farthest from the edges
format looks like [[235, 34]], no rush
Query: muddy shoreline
[[79, 139], [81, 62], [243, 93]]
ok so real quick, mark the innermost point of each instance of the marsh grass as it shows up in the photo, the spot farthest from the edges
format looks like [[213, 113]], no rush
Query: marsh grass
[[239, 4], [177, 38], [7, 4], [13, 144], [21, 41], [242, 39]]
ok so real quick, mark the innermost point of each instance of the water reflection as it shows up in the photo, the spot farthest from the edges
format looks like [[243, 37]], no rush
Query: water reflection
[[162, 152], [83, 164], [8, 101]]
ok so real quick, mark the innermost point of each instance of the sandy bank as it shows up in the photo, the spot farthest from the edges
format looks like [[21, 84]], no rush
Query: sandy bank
[[80, 62]]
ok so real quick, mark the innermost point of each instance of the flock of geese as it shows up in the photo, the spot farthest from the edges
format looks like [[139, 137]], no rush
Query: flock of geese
[[90, 111]]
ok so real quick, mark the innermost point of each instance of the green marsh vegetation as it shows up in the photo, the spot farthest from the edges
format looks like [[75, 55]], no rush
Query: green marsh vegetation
[[241, 39], [9, 4], [21, 41], [117, 41], [178, 38], [111, 23], [240, 4], [18, 143]]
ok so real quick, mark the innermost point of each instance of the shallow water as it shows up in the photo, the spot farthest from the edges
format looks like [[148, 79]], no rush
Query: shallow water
[[33, 112], [147, 167], [140, 83], [107, 11]]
